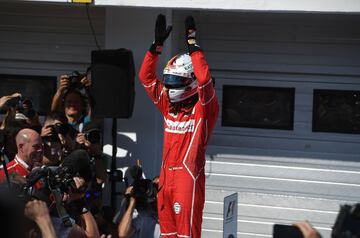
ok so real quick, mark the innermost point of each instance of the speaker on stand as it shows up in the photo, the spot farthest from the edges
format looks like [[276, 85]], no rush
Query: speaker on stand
[[113, 76]]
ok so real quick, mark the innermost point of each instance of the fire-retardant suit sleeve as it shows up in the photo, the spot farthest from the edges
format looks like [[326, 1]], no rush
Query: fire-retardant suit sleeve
[[206, 88], [207, 97], [208, 102], [153, 86]]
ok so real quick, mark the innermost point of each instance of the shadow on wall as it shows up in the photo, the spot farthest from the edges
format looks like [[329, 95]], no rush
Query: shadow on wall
[[124, 155]]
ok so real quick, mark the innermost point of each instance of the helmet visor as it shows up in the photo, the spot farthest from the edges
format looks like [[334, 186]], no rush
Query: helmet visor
[[174, 81]]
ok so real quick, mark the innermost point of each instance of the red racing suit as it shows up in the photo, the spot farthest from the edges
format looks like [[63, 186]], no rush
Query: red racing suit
[[14, 166], [181, 194]]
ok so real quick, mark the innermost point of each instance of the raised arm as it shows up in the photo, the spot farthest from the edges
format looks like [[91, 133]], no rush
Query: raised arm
[[56, 103], [37, 211], [125, 228], [147, 74], [206, 88]]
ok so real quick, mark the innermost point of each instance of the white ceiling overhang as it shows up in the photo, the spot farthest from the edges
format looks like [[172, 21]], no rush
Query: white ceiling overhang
[[246, 5], [341, 6]]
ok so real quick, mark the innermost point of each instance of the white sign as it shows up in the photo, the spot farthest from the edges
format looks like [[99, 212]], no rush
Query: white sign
[[230, 216]]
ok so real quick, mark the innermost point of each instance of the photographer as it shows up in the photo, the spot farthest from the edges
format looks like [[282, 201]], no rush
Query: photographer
[[90, 140], [78, 164], [25, 111], [347, 223], [14, 211], [63, 188], [86, 225], [38, 212], [56, 135], [19, 109], [69, 100], [140, 219], [9, 126], [5, 99]]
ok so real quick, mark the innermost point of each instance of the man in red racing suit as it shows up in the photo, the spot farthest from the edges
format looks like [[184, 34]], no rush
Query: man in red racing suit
[[29, 154], [186, 134]]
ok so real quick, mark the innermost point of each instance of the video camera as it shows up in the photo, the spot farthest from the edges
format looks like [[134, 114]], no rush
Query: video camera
[[75, 80], [51, 178], [145, 191], [43, 181], [347, 224]]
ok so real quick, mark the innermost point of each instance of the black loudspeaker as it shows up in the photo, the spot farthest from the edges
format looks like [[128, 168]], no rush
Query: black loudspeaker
[[112, 75]]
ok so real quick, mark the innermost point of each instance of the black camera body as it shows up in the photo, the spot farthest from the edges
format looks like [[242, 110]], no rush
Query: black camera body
[[75, 80], [42, 181], [347, 224], [23, 105], [93, 135], [60, 128], [145, 192], [56, 129], [144, 189], [286, 231]]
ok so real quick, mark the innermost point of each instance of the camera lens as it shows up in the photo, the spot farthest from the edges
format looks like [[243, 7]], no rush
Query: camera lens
[[63, 129], [52, 138], [94, 136]]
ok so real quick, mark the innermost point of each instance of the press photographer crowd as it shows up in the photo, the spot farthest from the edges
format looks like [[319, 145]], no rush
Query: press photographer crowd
[[53, 172]]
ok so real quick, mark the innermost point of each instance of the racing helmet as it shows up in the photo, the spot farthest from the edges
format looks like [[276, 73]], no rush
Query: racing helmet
[[179, 78]]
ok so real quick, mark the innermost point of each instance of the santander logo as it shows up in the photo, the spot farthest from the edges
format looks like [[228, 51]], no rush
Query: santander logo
[[179, 127]]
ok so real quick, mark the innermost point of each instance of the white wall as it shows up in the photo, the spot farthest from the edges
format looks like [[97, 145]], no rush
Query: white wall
[[133, 28]]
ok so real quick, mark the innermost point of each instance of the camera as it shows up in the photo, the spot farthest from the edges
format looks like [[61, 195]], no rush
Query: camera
[[57, 129], [23, 105], [60, 178], [93, 135], [51, 178], [286, 231], [145, 192], [60, 128], [75, 80], [49, 184], [347, 224]]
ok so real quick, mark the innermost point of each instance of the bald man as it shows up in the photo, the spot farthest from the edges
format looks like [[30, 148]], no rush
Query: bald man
[[29, 155]]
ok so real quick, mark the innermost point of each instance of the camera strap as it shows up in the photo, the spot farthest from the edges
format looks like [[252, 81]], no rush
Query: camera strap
[[63, 215], [2, 158]]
